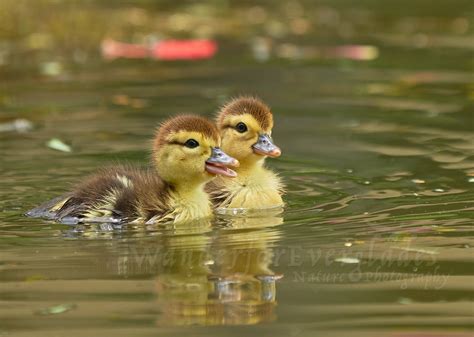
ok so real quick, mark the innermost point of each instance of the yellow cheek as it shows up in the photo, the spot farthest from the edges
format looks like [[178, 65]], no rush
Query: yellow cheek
[[176, 156], [206, 153], [238, 145]]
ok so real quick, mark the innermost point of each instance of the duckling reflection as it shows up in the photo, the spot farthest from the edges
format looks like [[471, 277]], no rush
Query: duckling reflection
[[210, 277], [132, 251], [226, 280]]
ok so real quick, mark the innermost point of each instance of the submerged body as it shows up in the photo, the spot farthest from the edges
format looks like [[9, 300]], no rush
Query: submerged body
[[186, 157], [245, 125]]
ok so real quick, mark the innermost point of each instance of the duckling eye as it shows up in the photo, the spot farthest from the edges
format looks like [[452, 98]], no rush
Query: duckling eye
[[241, 127], [191, 143]]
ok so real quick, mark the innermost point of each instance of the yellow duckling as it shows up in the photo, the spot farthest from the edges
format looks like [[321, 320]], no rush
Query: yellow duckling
[[185, 155], [245, 125]]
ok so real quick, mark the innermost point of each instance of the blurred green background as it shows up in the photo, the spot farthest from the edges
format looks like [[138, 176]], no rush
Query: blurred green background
[[373, 103], [34, 33]]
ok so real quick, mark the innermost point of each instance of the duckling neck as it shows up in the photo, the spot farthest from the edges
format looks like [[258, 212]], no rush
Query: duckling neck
[[188, 189], [254, 187], [190, 202], [249, 169]]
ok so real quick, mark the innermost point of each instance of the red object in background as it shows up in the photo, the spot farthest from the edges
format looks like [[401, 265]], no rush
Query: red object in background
[[162, 50], [184, 49]]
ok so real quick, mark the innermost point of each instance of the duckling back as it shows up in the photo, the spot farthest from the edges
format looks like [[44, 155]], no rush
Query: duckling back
[[122, 193]]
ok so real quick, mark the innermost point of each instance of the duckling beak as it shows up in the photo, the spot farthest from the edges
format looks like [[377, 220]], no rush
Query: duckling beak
[[218, 162], [265, 147]]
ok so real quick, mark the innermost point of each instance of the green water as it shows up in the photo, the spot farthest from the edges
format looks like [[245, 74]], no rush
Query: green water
[[376, 237]]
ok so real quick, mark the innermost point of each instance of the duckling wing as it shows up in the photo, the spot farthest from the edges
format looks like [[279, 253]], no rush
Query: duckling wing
[[109, 194], [50, 208], [117, 194], [122, 193]]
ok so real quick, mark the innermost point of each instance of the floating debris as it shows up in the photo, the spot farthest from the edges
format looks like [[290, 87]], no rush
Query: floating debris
[[348, 244], [19, 125], [471, 180], [59, 145], [349, 260], [57, 309], [439, 190], [418, 181], [396, 175]]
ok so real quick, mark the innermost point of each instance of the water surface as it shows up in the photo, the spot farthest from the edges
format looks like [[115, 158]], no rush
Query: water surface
[[375, 239]]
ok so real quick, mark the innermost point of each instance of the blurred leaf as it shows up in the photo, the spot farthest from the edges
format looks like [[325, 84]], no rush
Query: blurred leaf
[[59, 145], [57, 309]]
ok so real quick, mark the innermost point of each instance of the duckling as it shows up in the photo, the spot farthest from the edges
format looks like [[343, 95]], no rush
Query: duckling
[[245, 125], [185, 156]]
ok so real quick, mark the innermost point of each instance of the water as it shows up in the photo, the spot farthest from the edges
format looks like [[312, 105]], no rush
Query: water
[[375, 239]]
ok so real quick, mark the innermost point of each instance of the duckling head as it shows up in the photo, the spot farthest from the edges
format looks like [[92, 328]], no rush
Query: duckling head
[[245, 125], [186, 151]]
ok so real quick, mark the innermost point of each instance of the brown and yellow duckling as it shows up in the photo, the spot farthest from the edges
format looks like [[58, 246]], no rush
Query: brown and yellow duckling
[[186, 155], [245, 125]]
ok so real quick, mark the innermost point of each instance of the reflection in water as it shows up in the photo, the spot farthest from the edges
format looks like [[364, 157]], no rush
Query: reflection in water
[[199, 276], [379, 168], [225, 279]]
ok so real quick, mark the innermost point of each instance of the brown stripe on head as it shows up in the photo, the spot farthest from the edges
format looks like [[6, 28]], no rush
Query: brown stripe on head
[[247, 105], [185, 123]]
